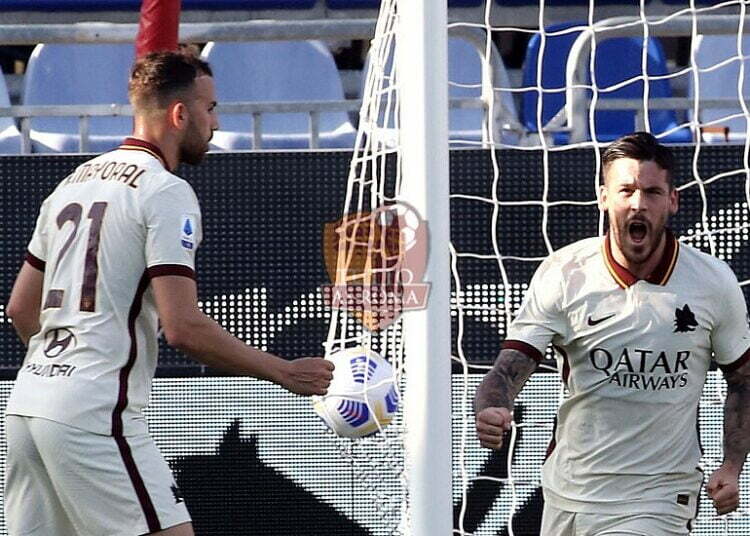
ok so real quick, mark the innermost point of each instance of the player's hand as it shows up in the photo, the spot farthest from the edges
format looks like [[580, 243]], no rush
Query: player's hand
[[724, 489], [308, 376], [492, 423]]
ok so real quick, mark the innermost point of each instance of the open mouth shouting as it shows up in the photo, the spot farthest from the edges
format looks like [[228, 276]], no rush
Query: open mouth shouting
[[638, 231]]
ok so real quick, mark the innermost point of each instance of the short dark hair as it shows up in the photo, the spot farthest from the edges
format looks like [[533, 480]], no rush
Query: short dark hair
[[158, 78], [643, 147]]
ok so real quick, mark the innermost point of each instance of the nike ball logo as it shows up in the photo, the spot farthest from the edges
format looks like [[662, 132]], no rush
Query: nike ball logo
[[592, 322]]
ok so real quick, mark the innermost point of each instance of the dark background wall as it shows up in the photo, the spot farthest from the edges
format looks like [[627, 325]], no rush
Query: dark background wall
[[264, 214]]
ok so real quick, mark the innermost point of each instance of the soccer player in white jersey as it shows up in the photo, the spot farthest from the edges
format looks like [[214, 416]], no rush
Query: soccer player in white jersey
[[113, 254], [635, 318]]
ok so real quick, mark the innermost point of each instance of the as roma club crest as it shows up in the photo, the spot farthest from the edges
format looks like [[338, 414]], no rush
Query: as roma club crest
[[376, 261]]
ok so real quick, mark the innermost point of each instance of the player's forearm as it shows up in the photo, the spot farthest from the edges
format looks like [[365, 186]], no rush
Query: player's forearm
[[25, 330], [25, 302], [25, 324], [504, 381], [205, 340], [737, 418]]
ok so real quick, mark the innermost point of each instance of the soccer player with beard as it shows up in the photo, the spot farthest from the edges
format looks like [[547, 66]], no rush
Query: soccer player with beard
[[112, 255], [635, 318]]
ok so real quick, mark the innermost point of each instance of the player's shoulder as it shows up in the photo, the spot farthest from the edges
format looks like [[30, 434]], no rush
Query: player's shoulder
[[705, 266], [562, 263], [577, 254]]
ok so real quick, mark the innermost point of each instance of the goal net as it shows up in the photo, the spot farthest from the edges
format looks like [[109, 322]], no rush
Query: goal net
[[536, 93]]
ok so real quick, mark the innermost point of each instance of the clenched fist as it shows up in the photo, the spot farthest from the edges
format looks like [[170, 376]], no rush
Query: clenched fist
[[308, 376], [492, 423], [723, 488]]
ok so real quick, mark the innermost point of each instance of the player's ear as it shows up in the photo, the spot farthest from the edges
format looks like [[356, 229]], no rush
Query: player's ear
[[602, 198], [178, 114], [674, 201]]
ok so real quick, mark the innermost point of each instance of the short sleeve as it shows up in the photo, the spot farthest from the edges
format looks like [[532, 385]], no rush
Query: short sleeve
[[730, 338], [36, 251], [173, 230], [540, 317]]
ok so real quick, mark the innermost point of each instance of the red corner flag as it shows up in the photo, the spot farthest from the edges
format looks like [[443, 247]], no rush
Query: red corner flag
[[158, 26]]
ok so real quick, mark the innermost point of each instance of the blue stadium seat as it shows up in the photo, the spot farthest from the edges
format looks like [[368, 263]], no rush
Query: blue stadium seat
[[78, 74], [277, 71], [10, 137], [465, 82], [465, 69], [135, 5], [616, 60], [372, 4], [722, 82]]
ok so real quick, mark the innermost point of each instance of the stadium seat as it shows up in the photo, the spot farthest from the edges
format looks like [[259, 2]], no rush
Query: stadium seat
[[277, 71], [60, 74], [721, 82], [465, 81], [465, 69], [616, 60], [10, 137]]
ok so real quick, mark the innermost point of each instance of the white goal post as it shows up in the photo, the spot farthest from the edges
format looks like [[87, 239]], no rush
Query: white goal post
[[421, 59]]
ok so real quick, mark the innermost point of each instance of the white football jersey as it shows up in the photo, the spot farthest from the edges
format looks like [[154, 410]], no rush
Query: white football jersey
[[111, 225], [633, 355]]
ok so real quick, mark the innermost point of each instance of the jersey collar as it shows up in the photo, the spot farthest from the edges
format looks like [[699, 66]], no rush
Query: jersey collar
[[135, 144], [659, 276]]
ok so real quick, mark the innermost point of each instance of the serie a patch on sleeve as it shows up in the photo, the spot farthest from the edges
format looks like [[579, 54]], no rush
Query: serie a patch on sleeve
[[187, 231]]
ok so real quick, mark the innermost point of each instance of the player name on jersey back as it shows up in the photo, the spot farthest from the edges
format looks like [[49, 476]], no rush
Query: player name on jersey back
[[109, 170]]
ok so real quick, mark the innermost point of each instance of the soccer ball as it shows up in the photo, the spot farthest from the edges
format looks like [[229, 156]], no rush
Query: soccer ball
[[362, 396]]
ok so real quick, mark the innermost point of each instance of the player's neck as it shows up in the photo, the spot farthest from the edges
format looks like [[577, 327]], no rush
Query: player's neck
[[644, 269], [161, 139]]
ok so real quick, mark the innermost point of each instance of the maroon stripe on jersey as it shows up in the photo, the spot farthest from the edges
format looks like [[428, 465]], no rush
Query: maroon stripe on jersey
[[149, 512], [122, 396], [122, 402], [34, 261], [697, 499], [524, 348], [698, 433], [566, 364], [552, 441], [134, 144], [731, 367], [170, 269]]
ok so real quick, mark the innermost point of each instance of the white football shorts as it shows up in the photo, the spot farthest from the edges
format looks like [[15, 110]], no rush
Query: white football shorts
[[562, 523], [64, 481]]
